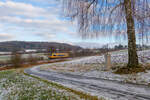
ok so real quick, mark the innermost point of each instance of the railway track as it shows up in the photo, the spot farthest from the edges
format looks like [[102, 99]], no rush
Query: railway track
[[41, 61], [6, 66], [100, 87]]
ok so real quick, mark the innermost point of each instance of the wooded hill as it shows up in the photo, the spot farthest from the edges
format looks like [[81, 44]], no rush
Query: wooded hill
[[22, 45]]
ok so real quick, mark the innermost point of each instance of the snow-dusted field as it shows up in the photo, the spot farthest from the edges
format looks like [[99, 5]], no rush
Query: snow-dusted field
[[17, 86], [94, 67], [107, 89], [5, 58]]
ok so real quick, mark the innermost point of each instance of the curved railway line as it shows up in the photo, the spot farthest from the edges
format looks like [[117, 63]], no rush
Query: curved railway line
[[6, 65]]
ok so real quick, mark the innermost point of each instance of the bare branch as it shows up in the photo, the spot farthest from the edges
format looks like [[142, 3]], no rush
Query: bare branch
[[113, 9], [90, 4], [93, 16], [142, 17]]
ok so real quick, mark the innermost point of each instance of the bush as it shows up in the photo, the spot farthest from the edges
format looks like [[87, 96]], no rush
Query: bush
[[128, 70], [16, 60], [32, 59]]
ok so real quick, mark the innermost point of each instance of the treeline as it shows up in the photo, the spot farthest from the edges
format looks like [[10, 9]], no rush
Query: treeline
[[139, 47], [39, 46]]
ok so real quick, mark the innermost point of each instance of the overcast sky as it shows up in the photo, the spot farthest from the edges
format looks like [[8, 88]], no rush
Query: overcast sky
[[38, 20]]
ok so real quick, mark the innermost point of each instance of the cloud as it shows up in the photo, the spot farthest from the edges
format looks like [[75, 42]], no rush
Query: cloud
[[89, 45], [6, 36], [47, 35], [35, 19], [15, 8]]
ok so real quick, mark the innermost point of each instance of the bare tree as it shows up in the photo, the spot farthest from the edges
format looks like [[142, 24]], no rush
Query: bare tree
[[16, 59], [125, 18]]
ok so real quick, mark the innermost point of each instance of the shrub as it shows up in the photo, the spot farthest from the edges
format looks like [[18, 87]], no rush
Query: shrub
[[127, 70], [32, 59], [16, 60]]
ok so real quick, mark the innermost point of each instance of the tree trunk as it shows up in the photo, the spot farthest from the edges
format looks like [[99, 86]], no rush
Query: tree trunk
[[132, 52]]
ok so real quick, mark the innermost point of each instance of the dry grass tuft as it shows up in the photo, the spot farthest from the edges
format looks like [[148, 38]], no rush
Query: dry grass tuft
[[128, 70]]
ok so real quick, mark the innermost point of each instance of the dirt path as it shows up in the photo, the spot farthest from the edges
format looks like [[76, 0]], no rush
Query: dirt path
[[95, 86]]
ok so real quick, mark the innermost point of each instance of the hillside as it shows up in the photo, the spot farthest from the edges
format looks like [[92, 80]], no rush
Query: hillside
[[21, 45]]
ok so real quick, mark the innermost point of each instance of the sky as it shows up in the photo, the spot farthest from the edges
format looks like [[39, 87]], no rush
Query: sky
[[40, 20]]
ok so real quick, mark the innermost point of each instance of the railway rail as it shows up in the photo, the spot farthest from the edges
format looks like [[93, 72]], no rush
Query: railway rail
[[40, 61]]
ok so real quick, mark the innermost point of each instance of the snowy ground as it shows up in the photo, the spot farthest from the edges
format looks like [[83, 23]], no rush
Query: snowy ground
[[94, 67], [109, 90], [17, 86]]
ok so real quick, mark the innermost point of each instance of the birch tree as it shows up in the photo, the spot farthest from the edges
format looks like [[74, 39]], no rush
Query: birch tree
[[98, 18]]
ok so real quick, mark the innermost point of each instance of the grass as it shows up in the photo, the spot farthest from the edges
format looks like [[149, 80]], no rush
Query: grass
[[15, 85], [72, 67], [82, 95], [4, 58]]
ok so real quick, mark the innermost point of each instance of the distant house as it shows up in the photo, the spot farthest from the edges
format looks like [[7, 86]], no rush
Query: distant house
[[5, 53], [30, 50]]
